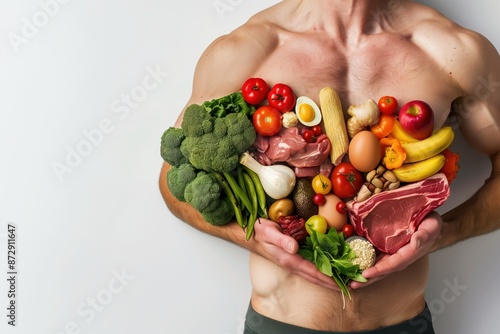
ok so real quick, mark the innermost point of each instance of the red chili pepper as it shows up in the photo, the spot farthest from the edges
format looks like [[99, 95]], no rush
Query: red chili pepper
[[281, 97], [450, 167]]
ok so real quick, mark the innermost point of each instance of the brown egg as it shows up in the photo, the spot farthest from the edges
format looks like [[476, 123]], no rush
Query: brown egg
[[364, 151], [334, 219]]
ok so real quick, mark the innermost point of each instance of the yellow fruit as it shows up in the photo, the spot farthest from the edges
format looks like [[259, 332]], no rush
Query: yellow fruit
[[400, 134], [429, 147], [418, 171], [321, 184], [317, 223]]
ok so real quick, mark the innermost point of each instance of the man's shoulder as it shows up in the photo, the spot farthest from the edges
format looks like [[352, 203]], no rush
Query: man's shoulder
[[447, 42], [432, 26], [233, 57]]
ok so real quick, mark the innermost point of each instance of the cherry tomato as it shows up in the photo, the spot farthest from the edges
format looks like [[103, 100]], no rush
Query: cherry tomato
[[341, 207], [317, 130], [346, 180], [348, 230], [309, 136], [254, 90], [319, 199], [387, 105], [267, 121], [321, 184], [281, 97]]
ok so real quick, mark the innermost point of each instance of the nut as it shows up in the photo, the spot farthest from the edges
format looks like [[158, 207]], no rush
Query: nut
[[389, 176], [363, 194], [378, 183], [371, 175], [380, 170], [377, 180], [394, 185]]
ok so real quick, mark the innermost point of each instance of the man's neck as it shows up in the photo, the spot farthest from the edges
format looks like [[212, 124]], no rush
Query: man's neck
[[348, 19]]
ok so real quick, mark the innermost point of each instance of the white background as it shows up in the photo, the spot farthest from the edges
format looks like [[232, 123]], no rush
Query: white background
[[105, 218]]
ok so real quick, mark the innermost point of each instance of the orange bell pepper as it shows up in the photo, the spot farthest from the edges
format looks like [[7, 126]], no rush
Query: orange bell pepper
[[384, 126], [394, 154]]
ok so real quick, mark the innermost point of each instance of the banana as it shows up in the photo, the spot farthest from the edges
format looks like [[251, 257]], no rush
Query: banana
[[429, 147], [419, 170], [400, 134]]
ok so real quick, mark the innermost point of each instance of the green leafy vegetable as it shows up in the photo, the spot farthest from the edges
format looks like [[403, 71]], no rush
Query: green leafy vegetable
[[232, 103], [333, 257]]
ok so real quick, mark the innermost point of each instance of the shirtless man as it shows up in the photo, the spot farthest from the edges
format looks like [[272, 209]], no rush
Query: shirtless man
[[364, 49]]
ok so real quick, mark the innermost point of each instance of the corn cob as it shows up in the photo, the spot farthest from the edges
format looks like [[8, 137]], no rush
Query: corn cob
[[334, 123]]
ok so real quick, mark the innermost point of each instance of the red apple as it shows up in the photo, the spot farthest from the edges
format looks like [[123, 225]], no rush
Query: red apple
[[417, 119]]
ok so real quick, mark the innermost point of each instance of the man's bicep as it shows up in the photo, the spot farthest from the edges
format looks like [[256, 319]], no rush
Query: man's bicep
[[478, 111]]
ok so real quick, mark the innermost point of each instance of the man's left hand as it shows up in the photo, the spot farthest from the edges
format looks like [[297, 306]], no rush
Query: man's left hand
[[420, 244]]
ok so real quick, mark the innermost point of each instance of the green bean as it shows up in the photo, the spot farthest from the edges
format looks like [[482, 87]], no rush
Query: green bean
[[261, 194], [255, 206], [238, 192], [232, 198]]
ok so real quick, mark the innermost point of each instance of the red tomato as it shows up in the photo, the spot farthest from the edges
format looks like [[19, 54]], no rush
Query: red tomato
[[348, 230], [309, 136], [341, 207], [281, 97], [255, 90], [317, 130], [346, 180], [267, 121], [387, 105], [319, 199]]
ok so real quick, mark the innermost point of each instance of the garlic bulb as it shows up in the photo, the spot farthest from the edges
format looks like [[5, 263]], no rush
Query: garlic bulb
[[278, 181]]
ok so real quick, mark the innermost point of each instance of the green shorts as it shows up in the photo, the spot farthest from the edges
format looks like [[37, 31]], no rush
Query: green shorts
[[256, 323]]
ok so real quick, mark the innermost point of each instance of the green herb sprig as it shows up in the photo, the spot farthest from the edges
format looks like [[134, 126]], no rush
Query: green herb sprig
[[333, 257]]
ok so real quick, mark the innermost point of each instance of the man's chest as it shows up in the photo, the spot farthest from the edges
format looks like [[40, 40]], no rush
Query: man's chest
[[384, 66]]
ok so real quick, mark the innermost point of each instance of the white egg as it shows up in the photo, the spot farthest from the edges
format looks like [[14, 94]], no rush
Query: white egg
[[307, 111]]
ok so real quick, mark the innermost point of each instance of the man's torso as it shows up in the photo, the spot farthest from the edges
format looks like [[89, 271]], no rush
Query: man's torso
[[394, 62]]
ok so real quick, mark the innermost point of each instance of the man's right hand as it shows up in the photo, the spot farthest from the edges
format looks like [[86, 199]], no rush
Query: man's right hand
[[272, 244]]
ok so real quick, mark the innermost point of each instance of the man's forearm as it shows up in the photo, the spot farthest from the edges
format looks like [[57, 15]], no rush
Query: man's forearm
[[478, 215], [231, 232]]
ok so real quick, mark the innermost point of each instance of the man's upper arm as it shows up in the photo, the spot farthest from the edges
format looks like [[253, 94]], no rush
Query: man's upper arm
[[227, 63], [478, 110]]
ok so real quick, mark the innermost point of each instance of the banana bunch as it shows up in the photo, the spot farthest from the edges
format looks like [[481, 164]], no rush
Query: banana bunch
[[247, 196], [423, 157]]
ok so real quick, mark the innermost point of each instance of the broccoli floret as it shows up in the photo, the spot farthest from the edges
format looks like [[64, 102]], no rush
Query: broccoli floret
[[220, 128], [192, 121], [178, 178], [203, 193], [221, 215], [241, 135], [170, 146], [219, 149]]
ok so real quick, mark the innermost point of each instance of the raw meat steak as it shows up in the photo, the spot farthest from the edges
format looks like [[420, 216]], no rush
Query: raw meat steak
[[389, 219]]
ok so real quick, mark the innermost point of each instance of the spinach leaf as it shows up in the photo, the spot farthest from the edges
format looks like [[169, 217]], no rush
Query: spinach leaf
[[332, 256]]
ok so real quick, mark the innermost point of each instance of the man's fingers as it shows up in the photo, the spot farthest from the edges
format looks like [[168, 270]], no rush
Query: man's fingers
[[271, 234]]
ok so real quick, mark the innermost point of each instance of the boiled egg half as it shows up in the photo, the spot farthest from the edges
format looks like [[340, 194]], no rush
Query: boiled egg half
[[307, 111]]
